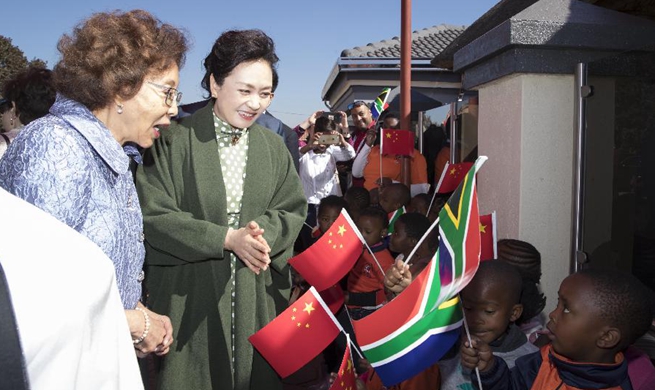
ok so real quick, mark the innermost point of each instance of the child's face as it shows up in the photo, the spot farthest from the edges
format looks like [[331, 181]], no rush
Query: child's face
[[400, 242], [326, 217], [417, 205], [372, 229], [575, 324], [489, 309], [387, 203]]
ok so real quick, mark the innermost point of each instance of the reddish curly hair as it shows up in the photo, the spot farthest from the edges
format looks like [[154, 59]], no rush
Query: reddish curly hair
[[111, 53]]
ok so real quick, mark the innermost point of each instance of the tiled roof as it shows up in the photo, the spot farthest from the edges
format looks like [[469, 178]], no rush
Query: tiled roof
[[426, 43]]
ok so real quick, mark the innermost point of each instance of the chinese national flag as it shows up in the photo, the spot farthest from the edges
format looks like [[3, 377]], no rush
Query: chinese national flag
[[297, 335], [331, 257], [345, 379], [488, 249], [397, 142], [452, 175]]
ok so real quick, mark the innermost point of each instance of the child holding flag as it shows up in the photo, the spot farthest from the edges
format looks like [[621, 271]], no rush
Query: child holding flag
[[598, 315], [365, 281], [492, 303]]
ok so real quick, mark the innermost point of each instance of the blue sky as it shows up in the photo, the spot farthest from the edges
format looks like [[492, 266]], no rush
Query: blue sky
[[309, 35]]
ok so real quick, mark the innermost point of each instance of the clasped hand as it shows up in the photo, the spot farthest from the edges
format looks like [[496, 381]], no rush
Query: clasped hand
[[249, 245]]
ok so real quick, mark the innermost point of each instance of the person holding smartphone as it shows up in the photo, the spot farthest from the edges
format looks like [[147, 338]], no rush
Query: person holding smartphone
[[318, 167]]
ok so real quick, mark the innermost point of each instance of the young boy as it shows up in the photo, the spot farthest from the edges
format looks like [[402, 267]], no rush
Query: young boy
[[328, 212], [410, 228], [599, 313], [318, 168], [394, 196], [365, 281], [419, 204], [492, 303]]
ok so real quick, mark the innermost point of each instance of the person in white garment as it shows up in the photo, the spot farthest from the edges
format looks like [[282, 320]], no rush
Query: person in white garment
[[62, 288]]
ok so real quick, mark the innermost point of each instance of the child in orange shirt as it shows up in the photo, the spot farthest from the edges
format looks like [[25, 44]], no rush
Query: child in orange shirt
[[365, 281]]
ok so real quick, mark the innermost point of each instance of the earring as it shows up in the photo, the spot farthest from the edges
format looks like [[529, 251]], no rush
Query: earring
[[119, 108], [11, 121]]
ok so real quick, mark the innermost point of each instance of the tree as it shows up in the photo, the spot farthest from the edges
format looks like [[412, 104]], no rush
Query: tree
[[13, 61]]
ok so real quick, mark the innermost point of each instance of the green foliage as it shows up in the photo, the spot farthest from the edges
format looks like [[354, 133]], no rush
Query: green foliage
[[13, 61]]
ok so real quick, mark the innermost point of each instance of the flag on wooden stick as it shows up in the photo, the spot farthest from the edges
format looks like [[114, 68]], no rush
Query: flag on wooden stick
[[297, 335]]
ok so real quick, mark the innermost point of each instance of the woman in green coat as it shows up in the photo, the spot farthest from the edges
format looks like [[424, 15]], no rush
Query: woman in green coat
[[222, 206]]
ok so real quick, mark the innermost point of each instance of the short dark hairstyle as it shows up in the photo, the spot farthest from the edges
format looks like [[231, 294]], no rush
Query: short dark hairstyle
[[623, 301], [502, 274], [235, 47], [399, 193], [523, 255], [415, 224], [527, 260], [32, 92], [325, 124], [332, 201], [357, 197], [376, 213], [111, 53]]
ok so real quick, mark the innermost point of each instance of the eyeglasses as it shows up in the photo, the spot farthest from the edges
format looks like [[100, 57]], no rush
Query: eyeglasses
[[172, 94], [356, 104]]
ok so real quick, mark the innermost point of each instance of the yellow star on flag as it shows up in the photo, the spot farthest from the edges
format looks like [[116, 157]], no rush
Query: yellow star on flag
[[342, 230], [453, 171], [388, 135], [483, 228], [309, 307]]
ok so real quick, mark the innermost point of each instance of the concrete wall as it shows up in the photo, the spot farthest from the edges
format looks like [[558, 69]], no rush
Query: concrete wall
[[526, 128]]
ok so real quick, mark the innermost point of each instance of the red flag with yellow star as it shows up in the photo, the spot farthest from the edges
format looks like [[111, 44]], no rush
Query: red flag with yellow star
[[488, 249], [297, 335], [345, 379], [331, 257], [451, 176], [397, 142]]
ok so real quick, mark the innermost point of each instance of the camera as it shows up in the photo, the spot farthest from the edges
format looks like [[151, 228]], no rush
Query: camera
[[335, 116], [328, 139]]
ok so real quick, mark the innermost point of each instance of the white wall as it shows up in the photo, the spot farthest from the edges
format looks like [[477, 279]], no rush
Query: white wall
[[526, 129]]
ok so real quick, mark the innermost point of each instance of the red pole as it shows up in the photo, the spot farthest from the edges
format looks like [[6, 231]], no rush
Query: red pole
[[405, 80]]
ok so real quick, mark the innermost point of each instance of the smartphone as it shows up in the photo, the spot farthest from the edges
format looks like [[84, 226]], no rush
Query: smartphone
[[328, 139], [335, 116]]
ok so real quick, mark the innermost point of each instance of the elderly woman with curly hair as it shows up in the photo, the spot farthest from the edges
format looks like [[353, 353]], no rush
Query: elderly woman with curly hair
[[116, 85]]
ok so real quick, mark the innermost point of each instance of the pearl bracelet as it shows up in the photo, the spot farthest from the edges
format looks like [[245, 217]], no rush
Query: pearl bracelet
[[147, 326]]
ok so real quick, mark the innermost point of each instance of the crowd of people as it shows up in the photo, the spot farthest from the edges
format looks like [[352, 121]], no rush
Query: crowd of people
[[162, 238]]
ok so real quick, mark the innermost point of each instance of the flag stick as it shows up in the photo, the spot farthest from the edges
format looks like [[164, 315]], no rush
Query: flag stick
[[306, 224], [436, 189], [381, 142], [468, 336], [356, 348], [418, 244], [494, 234]]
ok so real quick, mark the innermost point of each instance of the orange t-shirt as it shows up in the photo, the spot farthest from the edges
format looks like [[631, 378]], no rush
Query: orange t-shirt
[[366, 275], [391, 167]]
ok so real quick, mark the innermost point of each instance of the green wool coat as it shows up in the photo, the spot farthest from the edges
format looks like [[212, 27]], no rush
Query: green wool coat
[[182, 195]]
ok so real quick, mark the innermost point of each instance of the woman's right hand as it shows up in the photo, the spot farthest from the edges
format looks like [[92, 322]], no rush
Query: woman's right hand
[[160, 331], [249, 245]]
